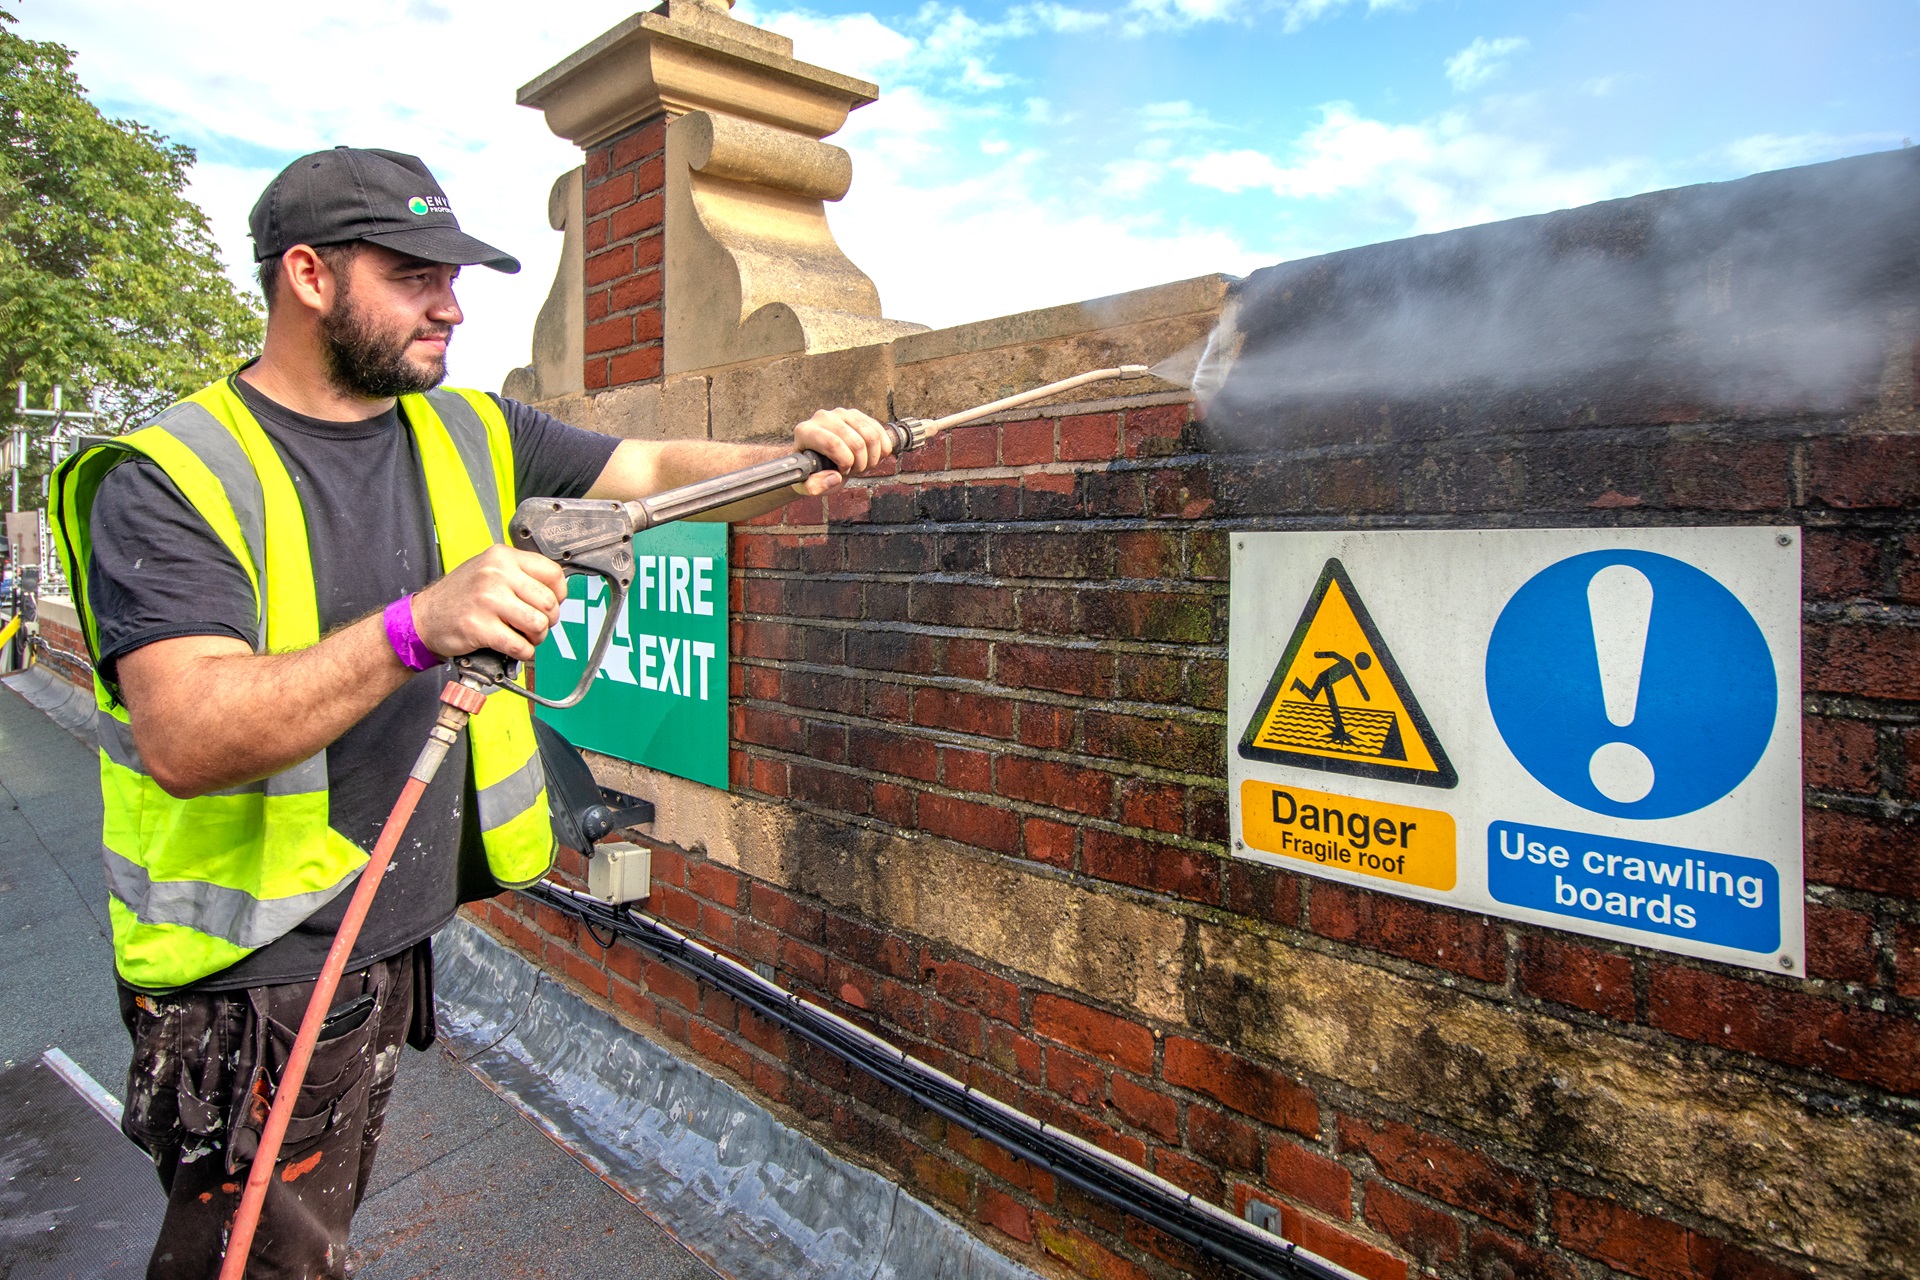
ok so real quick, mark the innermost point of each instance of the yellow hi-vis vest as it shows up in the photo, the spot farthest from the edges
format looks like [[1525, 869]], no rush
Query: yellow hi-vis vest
[[195, 885]]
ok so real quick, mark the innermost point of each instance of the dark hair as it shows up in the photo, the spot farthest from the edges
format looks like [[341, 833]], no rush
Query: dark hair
[[338, 257]]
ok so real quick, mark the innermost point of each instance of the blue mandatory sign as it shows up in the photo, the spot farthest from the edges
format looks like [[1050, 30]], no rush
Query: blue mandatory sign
[[1720, 898], [1631, 684]]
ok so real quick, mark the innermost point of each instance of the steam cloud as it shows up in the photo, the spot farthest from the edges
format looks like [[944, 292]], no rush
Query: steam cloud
[[1770, 294]]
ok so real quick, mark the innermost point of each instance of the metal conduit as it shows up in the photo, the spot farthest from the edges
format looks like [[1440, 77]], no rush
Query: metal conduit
[[1099, 1173]]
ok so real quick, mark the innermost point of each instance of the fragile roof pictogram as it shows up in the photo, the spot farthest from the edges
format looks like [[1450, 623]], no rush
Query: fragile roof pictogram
[[1337, 701]]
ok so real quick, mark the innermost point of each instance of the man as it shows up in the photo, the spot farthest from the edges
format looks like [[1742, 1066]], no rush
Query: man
[[269, 576]]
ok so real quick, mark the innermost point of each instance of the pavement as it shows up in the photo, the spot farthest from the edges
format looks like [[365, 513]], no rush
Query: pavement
[[465, 1187]]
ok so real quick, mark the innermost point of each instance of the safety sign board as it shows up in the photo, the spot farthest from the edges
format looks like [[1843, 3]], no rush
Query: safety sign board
[[660, 697], [1593, 730]]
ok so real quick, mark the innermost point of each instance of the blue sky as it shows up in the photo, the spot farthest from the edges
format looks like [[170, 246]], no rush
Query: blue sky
[[1039, 152]]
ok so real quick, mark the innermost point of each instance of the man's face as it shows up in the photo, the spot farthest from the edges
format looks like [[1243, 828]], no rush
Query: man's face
[[392, 317]]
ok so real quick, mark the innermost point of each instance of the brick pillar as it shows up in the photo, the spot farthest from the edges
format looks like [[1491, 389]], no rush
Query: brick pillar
[[624, 246]]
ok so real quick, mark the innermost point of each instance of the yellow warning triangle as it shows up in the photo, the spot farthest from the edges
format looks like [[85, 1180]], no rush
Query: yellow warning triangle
[[1337, 701]]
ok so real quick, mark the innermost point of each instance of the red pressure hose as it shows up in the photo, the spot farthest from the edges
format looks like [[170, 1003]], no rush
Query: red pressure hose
[[461, 701]]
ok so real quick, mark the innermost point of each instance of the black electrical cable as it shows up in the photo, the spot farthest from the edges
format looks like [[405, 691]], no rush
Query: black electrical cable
[[1071, 1159]]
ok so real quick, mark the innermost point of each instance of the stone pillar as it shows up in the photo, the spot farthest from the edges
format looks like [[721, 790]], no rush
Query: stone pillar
[[704, 240]]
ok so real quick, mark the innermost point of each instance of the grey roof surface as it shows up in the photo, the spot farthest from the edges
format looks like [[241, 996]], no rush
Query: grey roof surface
[[74, 1202]]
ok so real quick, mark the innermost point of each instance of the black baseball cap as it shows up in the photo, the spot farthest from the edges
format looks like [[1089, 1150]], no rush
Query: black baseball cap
[[352, 193]]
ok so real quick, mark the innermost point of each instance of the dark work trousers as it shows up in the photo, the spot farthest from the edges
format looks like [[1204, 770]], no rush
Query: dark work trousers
[[198, 1092]]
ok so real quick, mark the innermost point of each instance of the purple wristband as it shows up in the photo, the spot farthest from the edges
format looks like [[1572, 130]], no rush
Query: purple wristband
[[414, 655]]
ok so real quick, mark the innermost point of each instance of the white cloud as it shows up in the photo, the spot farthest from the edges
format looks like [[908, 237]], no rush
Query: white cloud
[[855, 44], [1162, 15], [1131, 177], [1175, 117], [1165, 127], [956, 220], [1760, 152], [990, 225], [1061, 19], [1481, 61], [1416, 178], [1002, 242], [938, 46]]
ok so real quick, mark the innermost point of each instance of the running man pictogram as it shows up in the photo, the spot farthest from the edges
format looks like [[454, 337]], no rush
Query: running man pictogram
[[1308, 718]]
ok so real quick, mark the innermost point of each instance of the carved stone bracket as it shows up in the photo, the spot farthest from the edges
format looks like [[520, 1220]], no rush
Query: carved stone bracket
[[560, 329], [752, 267]]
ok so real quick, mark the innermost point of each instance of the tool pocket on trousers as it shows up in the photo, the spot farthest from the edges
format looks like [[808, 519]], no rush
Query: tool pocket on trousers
[[338, 1074], [152, 1114], [180, 1078]]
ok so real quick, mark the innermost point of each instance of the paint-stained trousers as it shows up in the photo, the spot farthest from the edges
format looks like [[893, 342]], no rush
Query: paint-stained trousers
[[198, 1090]]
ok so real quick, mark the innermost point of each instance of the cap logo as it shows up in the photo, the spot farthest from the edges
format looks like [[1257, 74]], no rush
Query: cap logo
[[423, 205]]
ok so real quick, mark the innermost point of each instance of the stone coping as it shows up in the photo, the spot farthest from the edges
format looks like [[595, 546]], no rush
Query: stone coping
[[1137, 306], [58, 609], [733, 45], [689, 58]]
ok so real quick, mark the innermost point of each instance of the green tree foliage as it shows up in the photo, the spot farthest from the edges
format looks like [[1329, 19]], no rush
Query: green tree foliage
[[109, 281]]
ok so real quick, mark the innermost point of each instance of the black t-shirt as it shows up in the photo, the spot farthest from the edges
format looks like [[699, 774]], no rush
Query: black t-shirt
[[158, 571]]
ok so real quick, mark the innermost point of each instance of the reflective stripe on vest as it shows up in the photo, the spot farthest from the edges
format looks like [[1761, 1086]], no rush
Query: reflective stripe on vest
[[232, 915], [508, 778], [512, 796], [197, 884], [215, 448], [469, 434], [116, 743]]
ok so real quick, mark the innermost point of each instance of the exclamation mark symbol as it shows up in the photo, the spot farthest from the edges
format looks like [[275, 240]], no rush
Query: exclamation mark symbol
[[1620, 598]]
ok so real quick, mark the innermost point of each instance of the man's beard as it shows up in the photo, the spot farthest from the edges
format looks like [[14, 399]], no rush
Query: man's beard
[[371, 364]]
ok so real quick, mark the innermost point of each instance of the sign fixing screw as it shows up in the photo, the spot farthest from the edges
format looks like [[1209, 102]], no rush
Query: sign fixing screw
[[1786, 962], [1785, 540]]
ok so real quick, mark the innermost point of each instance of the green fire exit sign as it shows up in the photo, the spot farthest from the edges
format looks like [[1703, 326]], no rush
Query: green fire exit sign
[[660, 698]]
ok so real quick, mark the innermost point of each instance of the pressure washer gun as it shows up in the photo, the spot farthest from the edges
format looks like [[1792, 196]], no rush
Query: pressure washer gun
[[582, 536], [595, 536]]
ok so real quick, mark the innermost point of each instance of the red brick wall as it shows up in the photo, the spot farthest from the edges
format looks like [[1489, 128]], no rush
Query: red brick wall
[[67, 640], [625, 194], [931, 674], [1017, 642]]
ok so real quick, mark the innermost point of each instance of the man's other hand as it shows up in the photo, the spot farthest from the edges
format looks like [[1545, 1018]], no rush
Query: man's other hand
[[848, 439], [502, 599]]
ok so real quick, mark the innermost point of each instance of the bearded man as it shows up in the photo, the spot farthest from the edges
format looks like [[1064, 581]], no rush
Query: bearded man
[[270, 575]]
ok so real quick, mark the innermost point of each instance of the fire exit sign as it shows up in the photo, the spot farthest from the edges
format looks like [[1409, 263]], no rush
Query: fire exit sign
[[660, 697]]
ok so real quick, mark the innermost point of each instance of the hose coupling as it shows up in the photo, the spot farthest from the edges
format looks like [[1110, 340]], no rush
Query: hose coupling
[[908, 433]]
